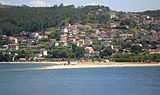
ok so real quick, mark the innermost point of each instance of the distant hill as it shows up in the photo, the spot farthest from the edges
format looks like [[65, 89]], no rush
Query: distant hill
[[152, 13], [23, 18], [5, 6]]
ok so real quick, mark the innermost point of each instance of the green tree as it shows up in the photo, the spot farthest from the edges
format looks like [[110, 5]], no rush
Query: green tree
[[78, 52], [106, 52], [136, 48]]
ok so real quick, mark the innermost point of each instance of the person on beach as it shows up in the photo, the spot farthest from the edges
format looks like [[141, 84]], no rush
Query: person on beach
[[69, 62]]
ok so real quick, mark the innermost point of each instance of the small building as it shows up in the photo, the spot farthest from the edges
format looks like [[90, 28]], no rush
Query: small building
[[154, 52], [113, 15], [155, 24], [146, 17], [56, 44], [34, 36], [64, 30], [123, 35], [63, 43], [113, 25], [89, 50], [13, 40], [44, 52], [53, 41], [38, 55], [80, 43], [13, 47]]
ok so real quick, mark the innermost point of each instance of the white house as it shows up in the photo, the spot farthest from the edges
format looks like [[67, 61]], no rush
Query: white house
[[64, 30], [112, 15], [44, 52], [34, 36]]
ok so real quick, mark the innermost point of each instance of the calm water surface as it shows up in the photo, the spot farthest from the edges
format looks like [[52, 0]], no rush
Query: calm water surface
[[98, 81]]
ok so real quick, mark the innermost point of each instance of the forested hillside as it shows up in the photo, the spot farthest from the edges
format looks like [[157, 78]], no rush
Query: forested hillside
[[154, 13], [23, 18]]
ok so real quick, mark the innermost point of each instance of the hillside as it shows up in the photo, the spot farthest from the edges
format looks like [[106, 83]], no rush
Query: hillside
[[5, 6], [152, 13], [23, 18]]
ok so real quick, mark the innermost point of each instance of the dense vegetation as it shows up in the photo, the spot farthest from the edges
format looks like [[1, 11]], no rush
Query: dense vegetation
[[17, 19], [136, 57]]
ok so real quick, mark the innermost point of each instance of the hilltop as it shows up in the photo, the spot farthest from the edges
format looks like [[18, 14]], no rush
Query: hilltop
[[152, 13], [23, 18], [5, 6]]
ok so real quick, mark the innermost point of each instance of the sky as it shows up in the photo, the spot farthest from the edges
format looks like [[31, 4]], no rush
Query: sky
[[120, 5]]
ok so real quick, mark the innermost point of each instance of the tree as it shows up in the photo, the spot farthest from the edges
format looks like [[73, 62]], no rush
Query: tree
[[136, 48], [56, 35], [5, 57], [78, 52], [17, 19], [106, 52], [61, 52]]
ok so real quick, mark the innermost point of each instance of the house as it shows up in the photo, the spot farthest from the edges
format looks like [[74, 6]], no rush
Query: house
[[99, 26], [3, 37], [13, 47], [158, 46], [38, 55], [81, 43], [23, 41], [64, 39], [123, 35], [53, 41], [107, 44], [155, 24], [13, 40], [72, 38], [78, 25], [44, 52], [89, 50], [34, 36], [146, 17], [130, 35], [88, 41], [154, 52], [74, 31], [109, 34], [64, 30], [30, 41], [115, 24], [113, 15], [56, 44], [63, 43], [146, 22]]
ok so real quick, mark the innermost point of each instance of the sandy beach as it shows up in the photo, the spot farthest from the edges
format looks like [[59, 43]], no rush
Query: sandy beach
[[61, 65], [104, 65]]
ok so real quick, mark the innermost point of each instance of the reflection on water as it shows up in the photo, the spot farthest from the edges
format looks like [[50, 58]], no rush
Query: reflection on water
[[97, 81]]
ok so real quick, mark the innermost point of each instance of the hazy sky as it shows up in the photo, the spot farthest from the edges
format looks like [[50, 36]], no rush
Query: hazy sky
[[124, 5]]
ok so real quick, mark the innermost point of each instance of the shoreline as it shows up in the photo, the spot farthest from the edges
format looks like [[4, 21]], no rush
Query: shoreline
[[85, 66], [58, 65]]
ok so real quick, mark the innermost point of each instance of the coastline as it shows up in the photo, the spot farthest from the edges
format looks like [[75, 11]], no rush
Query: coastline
[[110, 65], [58, 65]]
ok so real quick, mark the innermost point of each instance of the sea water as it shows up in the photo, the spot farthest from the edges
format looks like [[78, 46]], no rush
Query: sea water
[[94, 81]]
